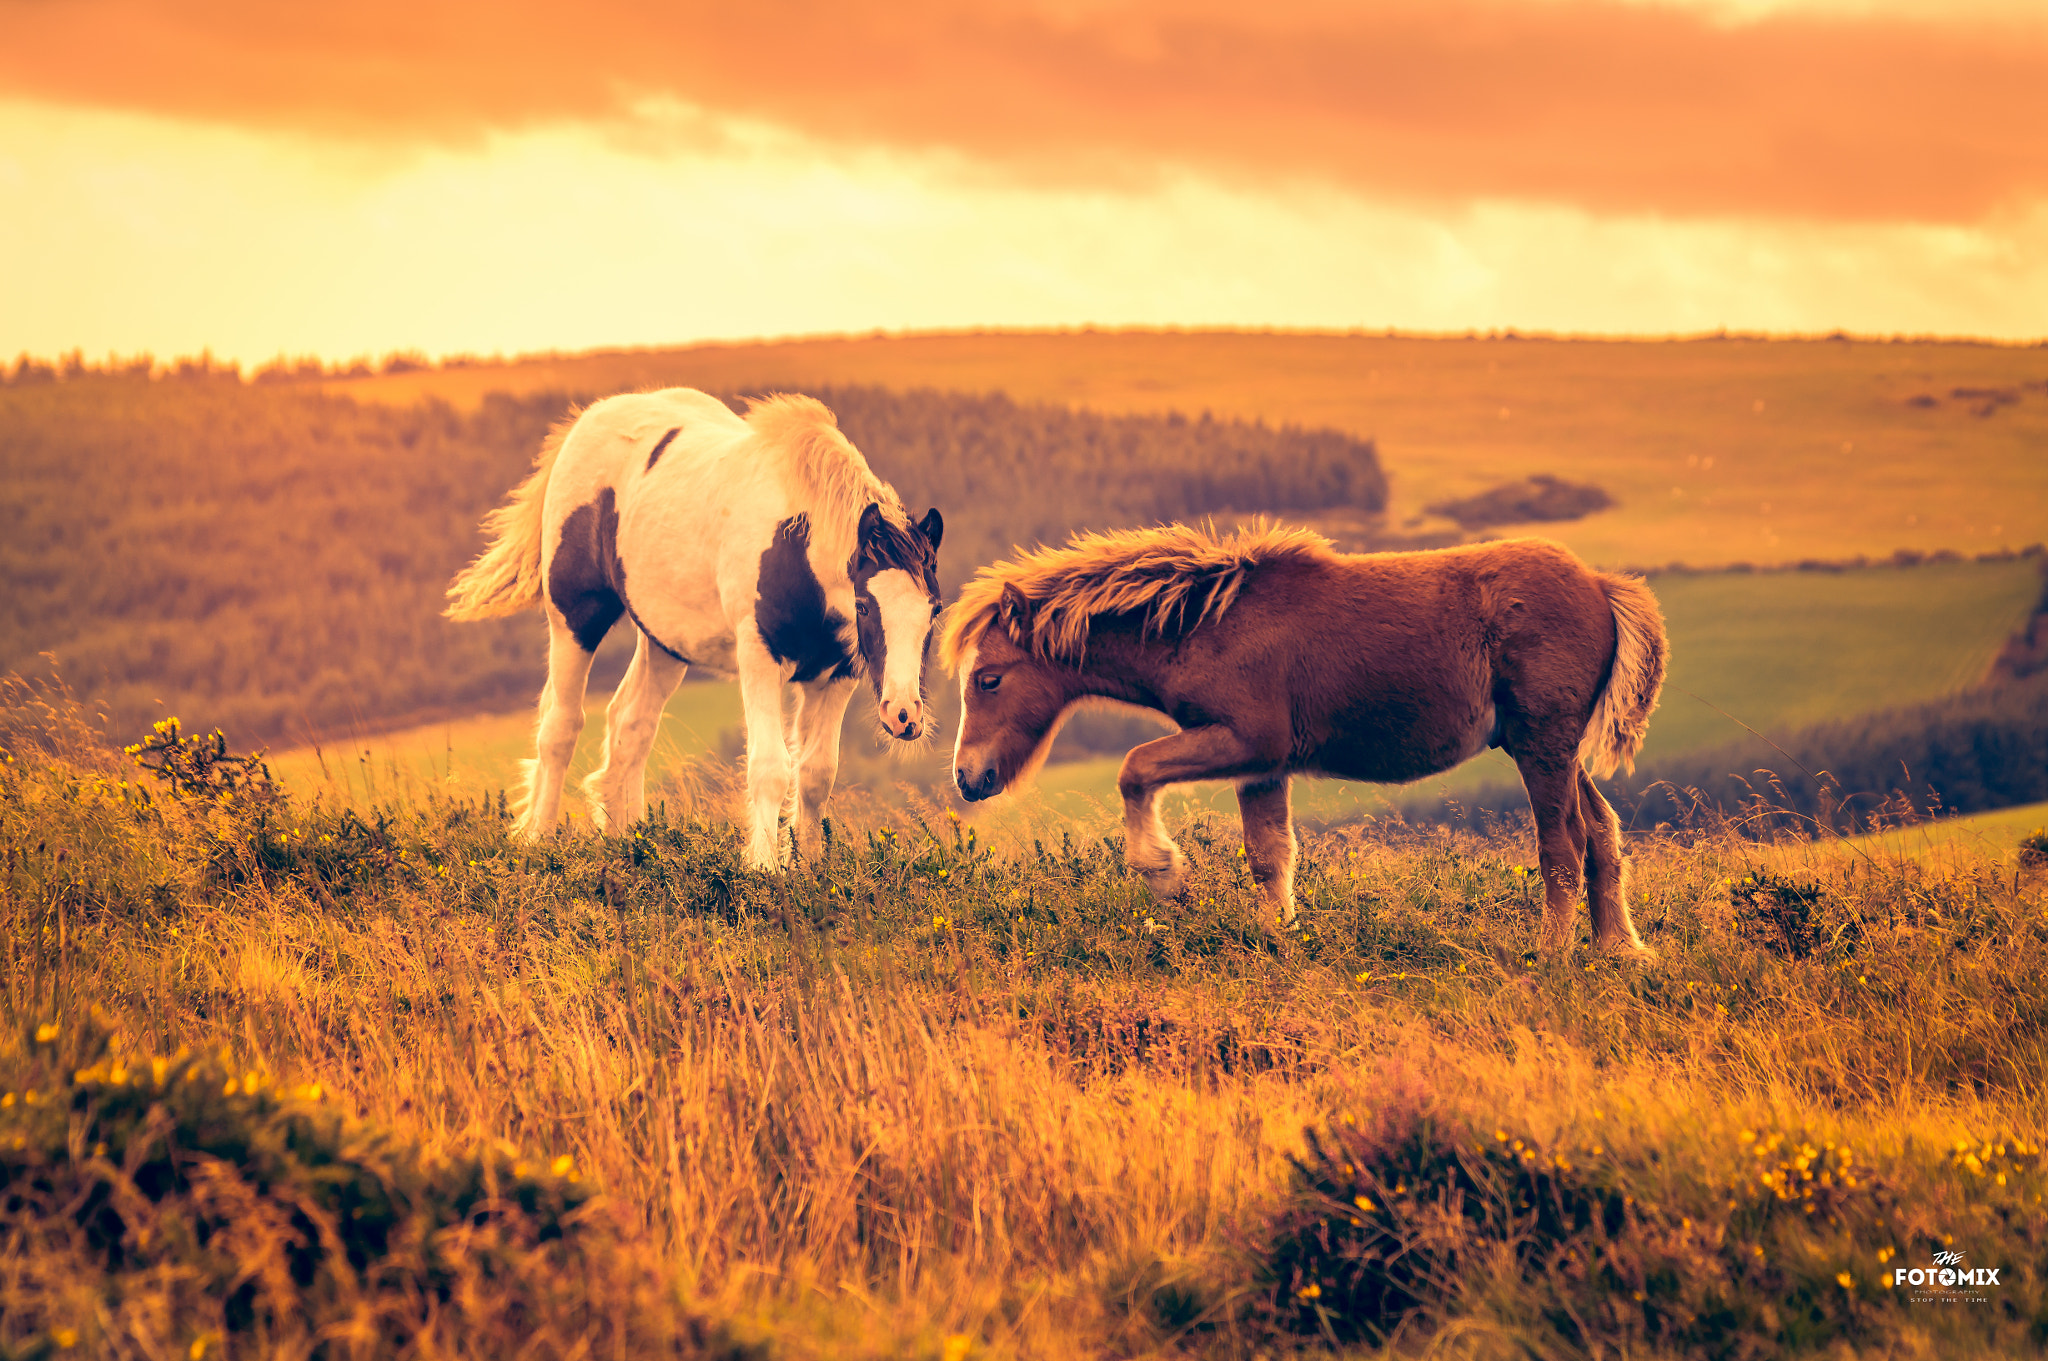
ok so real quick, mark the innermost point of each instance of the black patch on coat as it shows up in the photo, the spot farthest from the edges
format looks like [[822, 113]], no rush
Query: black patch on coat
[[587, 579], [655, 457], [791, 613]]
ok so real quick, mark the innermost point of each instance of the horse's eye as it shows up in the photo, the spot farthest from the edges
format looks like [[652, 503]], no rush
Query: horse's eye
[[988, 681], [860, 607]]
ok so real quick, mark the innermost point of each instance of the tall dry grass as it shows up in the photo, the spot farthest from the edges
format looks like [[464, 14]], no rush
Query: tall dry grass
[[929, 1096]]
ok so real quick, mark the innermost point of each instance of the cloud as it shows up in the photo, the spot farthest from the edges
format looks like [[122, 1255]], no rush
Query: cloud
[[1609, 107], [156, 235]]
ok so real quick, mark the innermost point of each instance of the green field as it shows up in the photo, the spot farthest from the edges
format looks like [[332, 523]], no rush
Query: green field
[[1774, 650], [466, 757], [1945, 845]]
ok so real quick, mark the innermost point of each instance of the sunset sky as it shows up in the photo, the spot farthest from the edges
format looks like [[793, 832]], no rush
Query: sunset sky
[[497, 178]]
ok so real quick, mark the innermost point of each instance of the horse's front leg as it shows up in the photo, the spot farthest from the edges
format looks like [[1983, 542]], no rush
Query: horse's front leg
[[1269, 842], [767, 752], [820, 715], [1211, 753]]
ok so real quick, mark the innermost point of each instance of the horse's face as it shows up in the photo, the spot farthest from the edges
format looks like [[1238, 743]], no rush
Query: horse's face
[[895, 598], [1010, 708]]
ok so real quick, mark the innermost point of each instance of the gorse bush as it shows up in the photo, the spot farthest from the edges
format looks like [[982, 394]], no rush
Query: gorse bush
[[182, 1204], [200, 765], [1403, 1220]]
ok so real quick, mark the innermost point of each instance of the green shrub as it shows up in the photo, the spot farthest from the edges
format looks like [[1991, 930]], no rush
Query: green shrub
[[2034, 849], [1407, 1219]]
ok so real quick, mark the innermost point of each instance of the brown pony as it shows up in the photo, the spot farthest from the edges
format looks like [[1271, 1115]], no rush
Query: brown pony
[[1278, 656]]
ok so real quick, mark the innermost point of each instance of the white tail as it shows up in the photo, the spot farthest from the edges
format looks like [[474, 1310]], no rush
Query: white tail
[[506, 577], [1622, 715]]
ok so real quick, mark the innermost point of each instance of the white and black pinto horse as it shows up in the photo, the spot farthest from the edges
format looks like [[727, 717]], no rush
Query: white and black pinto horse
[[761, 547]]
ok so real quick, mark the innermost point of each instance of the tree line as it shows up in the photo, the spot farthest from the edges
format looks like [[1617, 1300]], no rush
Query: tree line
[[271, 558]]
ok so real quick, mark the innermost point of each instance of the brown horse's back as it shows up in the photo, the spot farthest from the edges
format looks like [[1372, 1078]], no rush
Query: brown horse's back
[[1395, 666]]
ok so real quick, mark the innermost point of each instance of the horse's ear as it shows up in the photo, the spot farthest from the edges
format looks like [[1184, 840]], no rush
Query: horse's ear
[[932, 527], [870, 521], [1014, 610]]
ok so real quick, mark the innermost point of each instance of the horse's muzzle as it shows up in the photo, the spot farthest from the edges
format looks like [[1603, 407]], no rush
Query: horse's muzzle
[[904, 722], [975, 788]]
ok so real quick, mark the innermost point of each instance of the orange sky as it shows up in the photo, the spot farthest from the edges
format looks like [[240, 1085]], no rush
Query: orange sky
[[516, 176]]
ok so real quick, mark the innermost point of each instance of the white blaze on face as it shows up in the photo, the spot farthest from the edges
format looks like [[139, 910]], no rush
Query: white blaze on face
[[906, 619]]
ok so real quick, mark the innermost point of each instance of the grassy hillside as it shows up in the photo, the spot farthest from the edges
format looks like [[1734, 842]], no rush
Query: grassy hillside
[[947, 1095], [1819, 449]]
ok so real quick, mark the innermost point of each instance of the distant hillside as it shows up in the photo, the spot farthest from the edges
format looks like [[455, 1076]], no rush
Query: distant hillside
[[1715, 450], [1983, 749], [271, 558]]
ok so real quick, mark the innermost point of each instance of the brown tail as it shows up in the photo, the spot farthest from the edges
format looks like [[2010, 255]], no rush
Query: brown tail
[[1622, 715], [505, 578]]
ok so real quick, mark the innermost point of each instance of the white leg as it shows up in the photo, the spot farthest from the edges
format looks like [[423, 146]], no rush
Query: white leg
[[617, 790], [1203, 753], [767, 752], [561, 723], [821, 711], [1147, 847]]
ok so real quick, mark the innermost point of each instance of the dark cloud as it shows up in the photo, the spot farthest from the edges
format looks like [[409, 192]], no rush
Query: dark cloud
[[1609, 106]]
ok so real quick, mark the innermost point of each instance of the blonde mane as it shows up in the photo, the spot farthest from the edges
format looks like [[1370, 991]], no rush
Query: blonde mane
[[1177, 576], [828, 472]]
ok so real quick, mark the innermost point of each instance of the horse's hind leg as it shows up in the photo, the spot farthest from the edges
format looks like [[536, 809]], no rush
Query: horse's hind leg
[[1606, 872], [617, 790], [1560, 842], [561, 723], [1269, 842]]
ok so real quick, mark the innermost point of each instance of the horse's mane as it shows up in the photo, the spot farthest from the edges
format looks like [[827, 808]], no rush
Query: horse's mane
[[826, 469], [1176, 576]]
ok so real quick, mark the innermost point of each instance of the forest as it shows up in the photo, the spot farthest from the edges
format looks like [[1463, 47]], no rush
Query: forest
[[271, 559]]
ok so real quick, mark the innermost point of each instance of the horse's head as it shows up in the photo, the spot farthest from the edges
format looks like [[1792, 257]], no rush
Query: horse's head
[[895, 574], [1011, 702]]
